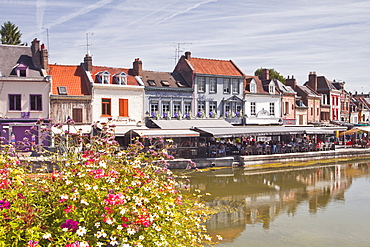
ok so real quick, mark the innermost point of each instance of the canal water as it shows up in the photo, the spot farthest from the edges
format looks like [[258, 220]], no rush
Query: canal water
[[322, 205]]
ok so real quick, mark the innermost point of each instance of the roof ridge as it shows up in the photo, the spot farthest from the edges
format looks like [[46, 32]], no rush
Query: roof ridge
[[213, 59]]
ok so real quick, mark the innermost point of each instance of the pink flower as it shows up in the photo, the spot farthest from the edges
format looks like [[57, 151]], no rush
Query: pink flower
[[69, 209], [70, 224], [32, 243], [75, 244]]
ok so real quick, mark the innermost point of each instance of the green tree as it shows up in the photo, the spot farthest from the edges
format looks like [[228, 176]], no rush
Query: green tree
[[273, 74], [10, 35]]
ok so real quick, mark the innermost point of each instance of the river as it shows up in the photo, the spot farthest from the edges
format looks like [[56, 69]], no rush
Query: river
[[321, 205]]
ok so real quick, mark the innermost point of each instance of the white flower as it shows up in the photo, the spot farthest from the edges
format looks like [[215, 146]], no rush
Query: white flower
[[68, 182], [141, 237], [81, 231], [131, 231], [83, 201], [95, 187], [119, 227], [125, 245], [84, 244], [99, 244], [65, 197], [65, 229], [100, 234], [219, 237], [97, 224], [46, 236], [103, 164], [113, 241]]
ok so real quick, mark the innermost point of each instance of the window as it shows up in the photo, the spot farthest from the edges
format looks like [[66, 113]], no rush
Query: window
[[272, 109], [120, 78], [104, 77], [253, 108], [36, 102], [252, 87], [286, 108], [271, 88], [212, 85], [22, 73], [153, 108], [166, 107], [226, 85], [235, 84], [213, 106], [14, 102], [201, 84], [187, 107], [77, 115], [151, 83], [62, 90], [123, 107], [106, 107], [227, 107], [238, 108], [201, 105], [176, 107], [165, 83]]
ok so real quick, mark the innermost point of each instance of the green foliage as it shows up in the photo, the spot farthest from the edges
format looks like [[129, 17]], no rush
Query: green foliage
[[10, 35], [273, 74], [98, 196]]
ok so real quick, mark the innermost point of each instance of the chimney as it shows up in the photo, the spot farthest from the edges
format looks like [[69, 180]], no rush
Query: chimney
[[265, 74], [138, 67], [88, 62], [312, 81], [36, 55], [44, 57], [188, 55], [291, 82]]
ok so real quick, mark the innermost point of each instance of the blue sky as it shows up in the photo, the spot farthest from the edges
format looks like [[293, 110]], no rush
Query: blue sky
[[295, 37]]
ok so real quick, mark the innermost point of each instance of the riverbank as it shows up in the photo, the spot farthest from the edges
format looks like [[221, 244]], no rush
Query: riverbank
[[249, 161]]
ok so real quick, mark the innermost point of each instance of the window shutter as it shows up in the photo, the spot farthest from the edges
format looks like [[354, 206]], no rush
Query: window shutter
[[77, 115], [123, 107]]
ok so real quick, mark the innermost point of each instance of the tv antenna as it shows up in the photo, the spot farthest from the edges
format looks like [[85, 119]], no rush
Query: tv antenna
[[178, 50], [87, 41], [47, 41]]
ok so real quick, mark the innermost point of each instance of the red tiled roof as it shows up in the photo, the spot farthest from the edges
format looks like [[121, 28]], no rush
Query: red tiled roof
[[69, 76], [112, 71], [214, 67]]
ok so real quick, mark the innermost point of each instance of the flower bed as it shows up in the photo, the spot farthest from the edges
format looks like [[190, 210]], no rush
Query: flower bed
[[99, 197]]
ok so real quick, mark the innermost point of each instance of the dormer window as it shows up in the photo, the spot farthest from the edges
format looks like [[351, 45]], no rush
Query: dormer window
[[252, 87], [120, 78], [22, 70], [271, 88], [103, 77]]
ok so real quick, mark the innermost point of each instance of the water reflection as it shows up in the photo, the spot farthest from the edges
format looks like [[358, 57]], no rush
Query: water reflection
[[245, 197]]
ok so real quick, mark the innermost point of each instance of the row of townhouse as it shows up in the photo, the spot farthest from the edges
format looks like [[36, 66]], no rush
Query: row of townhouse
[[31, 88]]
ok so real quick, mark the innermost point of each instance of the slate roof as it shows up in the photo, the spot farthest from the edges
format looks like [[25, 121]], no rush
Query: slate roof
[[70, 76], [322, 82], [112, 71], [284, 88], [214, 67], [12, 55], [163, 80], [259, 86], [308, 91]]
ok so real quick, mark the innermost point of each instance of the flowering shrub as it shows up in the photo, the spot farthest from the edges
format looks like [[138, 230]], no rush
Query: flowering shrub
[[99, 196]]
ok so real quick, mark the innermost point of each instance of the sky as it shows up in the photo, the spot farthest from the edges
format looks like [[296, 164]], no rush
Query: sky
[[294, 37]]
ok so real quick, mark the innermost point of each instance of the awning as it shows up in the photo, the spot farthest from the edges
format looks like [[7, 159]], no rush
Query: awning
[[120, 130], [250, 131], [151, 133], [191, 123], [354, 130], [261, 131]]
